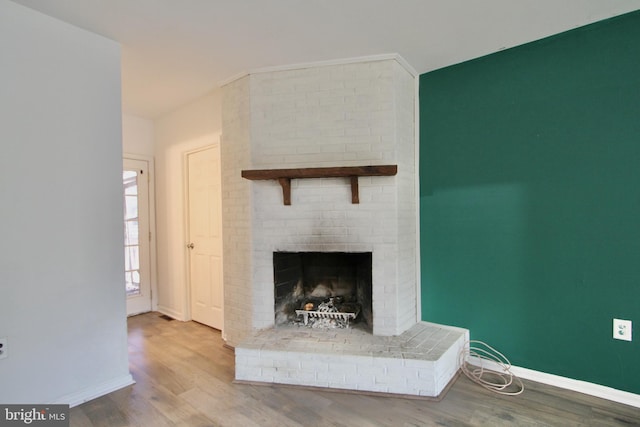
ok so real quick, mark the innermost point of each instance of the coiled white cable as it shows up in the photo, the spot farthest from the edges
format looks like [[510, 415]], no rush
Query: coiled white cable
[[497, 379]]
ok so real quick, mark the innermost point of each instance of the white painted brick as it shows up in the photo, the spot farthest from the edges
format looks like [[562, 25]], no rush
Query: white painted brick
[[292, 362], [248, 373], [427, 374], [370, 371], [307, 378], [256, 362], [335, 115], [313, 365], [330, 377], [379, 388], [392, 373], [270, 371]]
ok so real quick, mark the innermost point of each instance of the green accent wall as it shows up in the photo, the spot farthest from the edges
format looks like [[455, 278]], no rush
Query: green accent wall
[[530, 201]]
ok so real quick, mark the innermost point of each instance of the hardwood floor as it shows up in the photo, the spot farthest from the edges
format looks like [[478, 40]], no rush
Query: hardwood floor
[[184, 377]]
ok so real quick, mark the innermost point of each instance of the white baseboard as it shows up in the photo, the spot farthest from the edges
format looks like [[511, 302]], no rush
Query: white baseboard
[[579, 386], [90, 393], [171, 313]]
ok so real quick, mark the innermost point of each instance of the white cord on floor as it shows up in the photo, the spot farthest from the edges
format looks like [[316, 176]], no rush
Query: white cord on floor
[[483, 353]]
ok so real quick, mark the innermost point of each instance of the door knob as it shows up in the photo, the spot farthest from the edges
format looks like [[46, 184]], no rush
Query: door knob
[[191, 246]]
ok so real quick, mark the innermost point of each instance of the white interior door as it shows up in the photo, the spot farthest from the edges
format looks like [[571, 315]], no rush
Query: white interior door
[[135, 179], [205, 234]]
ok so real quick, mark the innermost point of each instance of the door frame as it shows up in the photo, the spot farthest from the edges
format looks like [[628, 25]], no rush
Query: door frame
[[152, 225], [185, 203]]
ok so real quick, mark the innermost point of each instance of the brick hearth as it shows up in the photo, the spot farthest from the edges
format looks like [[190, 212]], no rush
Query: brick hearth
[[352, 114], [420, 362]]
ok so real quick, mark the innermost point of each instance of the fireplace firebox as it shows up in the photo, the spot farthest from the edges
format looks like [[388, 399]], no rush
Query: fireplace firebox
[[323, 289]]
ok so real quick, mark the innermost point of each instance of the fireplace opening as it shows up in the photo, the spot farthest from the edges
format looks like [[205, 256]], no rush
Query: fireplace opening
[[323, 289]]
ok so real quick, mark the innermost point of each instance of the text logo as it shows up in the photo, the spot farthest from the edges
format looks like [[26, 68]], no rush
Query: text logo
[[34, 415]]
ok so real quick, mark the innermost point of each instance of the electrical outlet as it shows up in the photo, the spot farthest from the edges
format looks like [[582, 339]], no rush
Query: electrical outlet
[[622, 329], [3, 348]]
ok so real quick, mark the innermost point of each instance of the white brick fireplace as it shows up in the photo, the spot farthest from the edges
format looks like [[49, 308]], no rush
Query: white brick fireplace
[[330, 115]]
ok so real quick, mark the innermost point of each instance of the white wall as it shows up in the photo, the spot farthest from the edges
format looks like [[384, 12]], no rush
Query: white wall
[[137, 136], [62, 299], [191, 127]]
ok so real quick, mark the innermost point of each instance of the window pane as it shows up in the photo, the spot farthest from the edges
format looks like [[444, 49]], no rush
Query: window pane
[[132, 286], [130, 207], [128, 176], [131, 190], [130, 182], [131, 232], [131, 237], [131, 260]]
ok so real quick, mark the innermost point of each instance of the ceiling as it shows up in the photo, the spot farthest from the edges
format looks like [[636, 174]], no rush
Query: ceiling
[[174, 51]]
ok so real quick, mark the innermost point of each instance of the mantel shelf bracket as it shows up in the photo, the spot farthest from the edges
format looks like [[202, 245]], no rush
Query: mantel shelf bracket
[[284, 176], [285, 183]]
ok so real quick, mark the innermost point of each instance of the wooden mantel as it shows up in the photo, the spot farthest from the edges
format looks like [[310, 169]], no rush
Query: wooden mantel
[[284, 176]]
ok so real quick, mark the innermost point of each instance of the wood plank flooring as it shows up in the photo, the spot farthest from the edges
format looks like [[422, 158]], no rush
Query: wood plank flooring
[[184, 377]]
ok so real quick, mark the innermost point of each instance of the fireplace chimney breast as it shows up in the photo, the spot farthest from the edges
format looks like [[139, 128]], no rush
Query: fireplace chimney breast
[[348, 114]]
